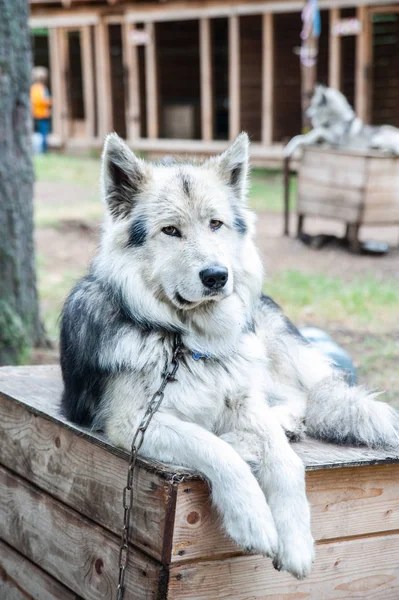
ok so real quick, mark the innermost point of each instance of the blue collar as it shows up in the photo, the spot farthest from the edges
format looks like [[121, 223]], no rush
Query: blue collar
[[199, 355]]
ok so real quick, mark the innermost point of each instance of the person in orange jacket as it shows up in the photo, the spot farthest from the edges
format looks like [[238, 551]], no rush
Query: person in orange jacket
[[41, 103]]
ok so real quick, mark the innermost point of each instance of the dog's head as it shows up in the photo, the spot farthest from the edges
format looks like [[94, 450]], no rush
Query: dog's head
[[327, 106], [179, 231]]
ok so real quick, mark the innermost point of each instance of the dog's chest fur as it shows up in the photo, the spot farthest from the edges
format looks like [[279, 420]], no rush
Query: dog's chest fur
[[211, 392]]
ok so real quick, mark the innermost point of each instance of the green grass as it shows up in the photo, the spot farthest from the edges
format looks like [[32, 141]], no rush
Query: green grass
[[267, 190], [55, 216], [79, 170], [366, 303]]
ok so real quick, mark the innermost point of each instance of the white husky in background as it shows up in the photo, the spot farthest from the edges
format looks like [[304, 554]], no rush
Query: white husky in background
[[177, 257], [334, 121]]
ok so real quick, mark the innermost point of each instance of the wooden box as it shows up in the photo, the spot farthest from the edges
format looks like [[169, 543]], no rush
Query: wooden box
[[61, 516], [359, 188]]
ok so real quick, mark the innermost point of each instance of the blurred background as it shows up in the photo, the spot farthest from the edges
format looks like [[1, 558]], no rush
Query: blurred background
[[174, 77]]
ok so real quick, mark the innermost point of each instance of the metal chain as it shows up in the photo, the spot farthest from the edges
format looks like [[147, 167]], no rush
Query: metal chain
[[138, 439]]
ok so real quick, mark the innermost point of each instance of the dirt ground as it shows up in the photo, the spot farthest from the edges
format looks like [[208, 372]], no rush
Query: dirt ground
[[69, 246]]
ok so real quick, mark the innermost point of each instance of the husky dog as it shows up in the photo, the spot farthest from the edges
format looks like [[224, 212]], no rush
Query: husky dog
[[335, 122], [177, 257]]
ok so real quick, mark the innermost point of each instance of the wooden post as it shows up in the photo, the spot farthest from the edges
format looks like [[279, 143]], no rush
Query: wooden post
[[267, 79], [363, 64], [103, 79], [334, 50], [287, 196], [63, 67], [151, 81], [133, 83], [308, 78], [234, 76], [56, 84], [206, 80], [88, 80]]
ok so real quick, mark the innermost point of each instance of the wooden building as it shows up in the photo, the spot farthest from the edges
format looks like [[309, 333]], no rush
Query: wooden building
[[174, 76]]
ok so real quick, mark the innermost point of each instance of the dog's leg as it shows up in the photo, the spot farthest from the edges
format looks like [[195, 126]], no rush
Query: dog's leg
[[315, 135], [262, 443], [246, 517], [335, 411]]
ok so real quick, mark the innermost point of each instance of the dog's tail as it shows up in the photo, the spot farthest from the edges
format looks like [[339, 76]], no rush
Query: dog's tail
[[350, 415]]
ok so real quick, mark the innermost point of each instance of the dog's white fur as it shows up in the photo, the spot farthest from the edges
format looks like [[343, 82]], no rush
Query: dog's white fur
[[224, 416], [335, 123]]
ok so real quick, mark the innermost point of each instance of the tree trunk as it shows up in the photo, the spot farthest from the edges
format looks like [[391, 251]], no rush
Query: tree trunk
[[20, 326]]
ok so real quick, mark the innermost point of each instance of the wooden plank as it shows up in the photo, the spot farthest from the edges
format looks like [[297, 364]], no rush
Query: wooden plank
[[178, 12], [312, 206], [79, 554], [328, 175], [363, 65], [345, 502], [85, 476], [103, 78], [334, 51], [365, 569], [75, 19], [206, 80], [267, 79], [384, 215], [56, 83], [151, 83], [20, 578], [353, 502], [133, 83], [39, 389], [234, 76], [350, 169], [309, 189], [88, 80]]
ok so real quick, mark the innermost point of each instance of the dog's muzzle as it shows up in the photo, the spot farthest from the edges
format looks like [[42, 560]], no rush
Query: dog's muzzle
[[215, 277]]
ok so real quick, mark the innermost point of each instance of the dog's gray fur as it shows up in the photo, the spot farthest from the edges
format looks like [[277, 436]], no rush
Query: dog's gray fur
[[225, 416], [335, 123]]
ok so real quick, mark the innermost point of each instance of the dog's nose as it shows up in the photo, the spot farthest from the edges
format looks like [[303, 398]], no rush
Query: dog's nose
[[215, 277]]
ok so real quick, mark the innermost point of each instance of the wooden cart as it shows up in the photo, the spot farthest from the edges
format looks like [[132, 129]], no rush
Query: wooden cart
[[358, 188], [60, 517]]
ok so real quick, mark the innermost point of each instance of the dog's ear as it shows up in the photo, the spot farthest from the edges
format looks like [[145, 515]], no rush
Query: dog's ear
[[233, 166], [122, 178]]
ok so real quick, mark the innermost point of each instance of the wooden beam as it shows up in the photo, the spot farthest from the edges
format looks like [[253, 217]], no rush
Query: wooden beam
[[334, 51], [74, 19], [130, 60], [234, 76], [177, 12], [63, 67], [267, 79], [25, 578], [56, 84], [363, 64], [206, 80], [70, 545], [103, 79], [151, 80], [88, 80]]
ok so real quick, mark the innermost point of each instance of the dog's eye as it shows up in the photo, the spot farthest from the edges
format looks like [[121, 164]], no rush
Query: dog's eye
[[171, 230], [215, 224]]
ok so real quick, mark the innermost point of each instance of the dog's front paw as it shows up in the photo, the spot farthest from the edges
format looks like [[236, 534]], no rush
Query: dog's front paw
[[252, 528], [295, 554]]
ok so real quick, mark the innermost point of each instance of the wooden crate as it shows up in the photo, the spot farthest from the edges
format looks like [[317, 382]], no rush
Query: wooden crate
[[60, 504], [359, 188]]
